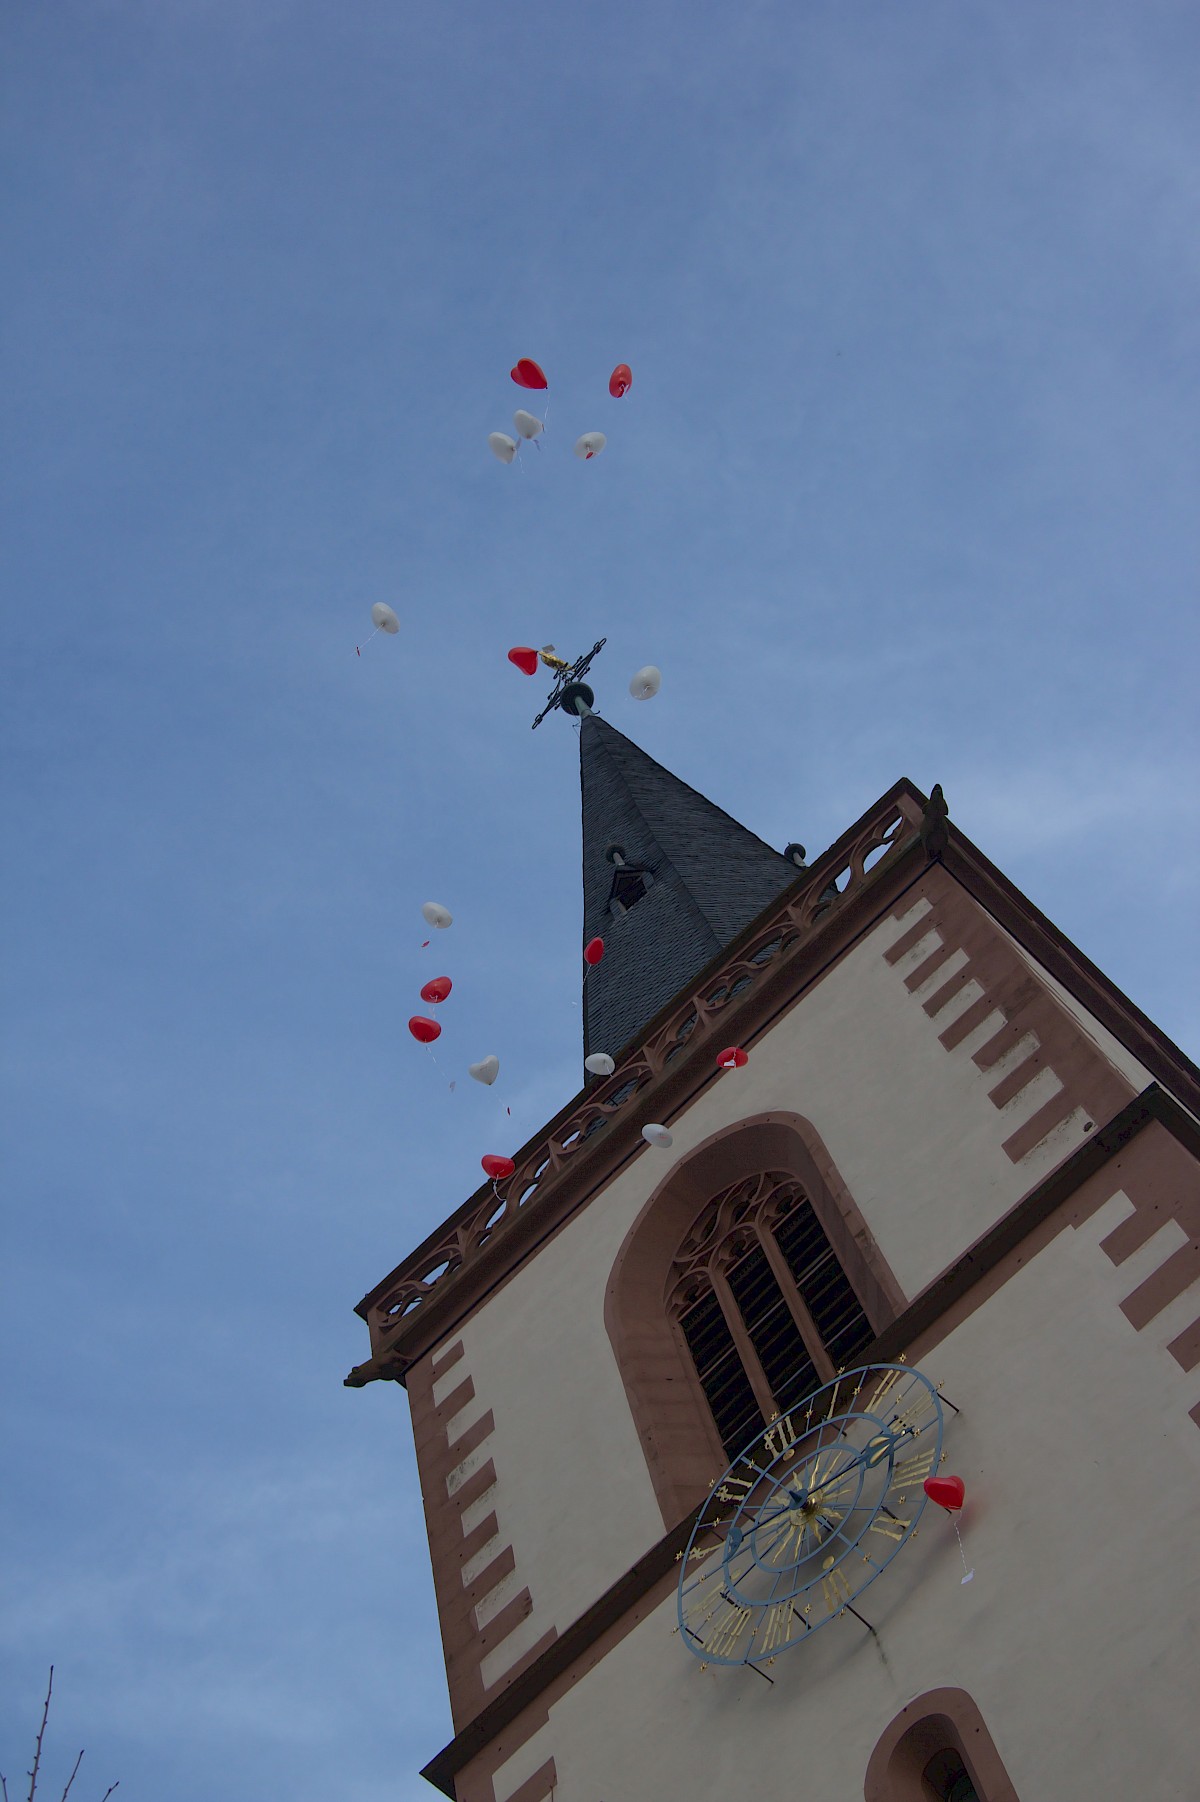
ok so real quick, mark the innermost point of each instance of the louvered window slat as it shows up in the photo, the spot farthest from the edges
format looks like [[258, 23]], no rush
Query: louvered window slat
[[724, 1381], [824, 1287], [829, 1302], [773, 1332]]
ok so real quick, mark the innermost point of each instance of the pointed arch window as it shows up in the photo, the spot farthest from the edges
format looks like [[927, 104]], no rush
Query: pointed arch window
[[764, 1306], [749, 1275]]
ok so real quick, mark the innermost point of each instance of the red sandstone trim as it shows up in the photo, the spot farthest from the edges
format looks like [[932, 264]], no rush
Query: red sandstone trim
[[1025, 1007], [503, 1623], [1178, 1273], [501, 1566], [538, 1787], [443, 1360], [472, 1438], [477, 1538], [1186, 1348], [464, 1643]]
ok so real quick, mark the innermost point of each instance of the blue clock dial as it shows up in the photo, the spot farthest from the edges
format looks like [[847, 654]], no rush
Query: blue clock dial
[[809, 1514]]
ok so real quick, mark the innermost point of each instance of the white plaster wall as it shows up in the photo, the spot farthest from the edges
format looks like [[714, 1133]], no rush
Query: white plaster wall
[[918, 1143], [1078, 1637]]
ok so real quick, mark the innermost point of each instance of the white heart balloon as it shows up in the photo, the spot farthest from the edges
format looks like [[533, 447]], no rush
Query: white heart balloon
[[384, 618], [646, 683], [600, 1064], [502, 446], [657, 1135], [590, 445], [486, 1070], [434, 914], [526, 423]]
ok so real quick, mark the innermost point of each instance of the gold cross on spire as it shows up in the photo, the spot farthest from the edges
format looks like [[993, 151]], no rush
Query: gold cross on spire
[[570, 691]]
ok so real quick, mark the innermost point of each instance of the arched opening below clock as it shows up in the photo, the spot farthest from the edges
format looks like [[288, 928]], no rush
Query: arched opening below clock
[[938, 1749]]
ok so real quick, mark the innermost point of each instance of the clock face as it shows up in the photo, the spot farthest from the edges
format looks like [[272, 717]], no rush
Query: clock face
[[809, 1514]]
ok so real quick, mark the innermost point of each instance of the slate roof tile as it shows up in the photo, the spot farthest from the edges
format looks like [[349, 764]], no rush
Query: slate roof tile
[[711, 878]]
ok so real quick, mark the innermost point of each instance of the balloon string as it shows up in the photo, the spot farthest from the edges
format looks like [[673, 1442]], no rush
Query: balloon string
[[968, 1574], [357, 648]]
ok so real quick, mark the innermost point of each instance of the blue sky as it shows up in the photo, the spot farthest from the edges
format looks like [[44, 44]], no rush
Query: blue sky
[[905, 485]]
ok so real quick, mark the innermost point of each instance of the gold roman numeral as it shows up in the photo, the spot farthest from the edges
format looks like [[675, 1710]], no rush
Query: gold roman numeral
[[702, 1611], [779, 1437], [913, 1469], [907, 1421], [776, 1627], [728, 1631], [835, 1589], [891, 1526], [883, 1389], [833, 1400], [735, 1489]]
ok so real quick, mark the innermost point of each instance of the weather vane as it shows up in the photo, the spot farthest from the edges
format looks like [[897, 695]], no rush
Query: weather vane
[[570, 691]]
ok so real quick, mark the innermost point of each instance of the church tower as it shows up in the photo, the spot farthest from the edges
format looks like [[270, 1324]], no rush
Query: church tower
[[679, 1407]]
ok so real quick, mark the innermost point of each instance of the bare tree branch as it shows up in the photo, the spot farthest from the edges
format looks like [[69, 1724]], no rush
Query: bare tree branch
[[37, 1759], [37, 1755], [71, 1778]]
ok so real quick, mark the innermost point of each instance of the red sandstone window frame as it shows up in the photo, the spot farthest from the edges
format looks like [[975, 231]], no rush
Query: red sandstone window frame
[[675, 1426]]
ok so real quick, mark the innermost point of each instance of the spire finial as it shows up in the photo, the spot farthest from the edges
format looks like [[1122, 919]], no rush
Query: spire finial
[[570, 692]]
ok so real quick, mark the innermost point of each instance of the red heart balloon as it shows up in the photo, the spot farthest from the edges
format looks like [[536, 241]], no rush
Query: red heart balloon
[[732, 1058], [524, 658], [497, 1167], [947, 1492], [527, 374], [436, 989], [593, 951], [424, 1029], [620, 381]]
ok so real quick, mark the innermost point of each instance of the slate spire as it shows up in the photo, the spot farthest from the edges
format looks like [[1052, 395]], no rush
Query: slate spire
[[668, 880]]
